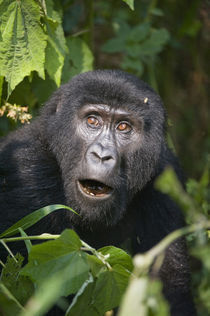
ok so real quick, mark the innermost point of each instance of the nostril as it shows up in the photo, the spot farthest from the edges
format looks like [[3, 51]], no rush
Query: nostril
[[95, 155], [106, 158]]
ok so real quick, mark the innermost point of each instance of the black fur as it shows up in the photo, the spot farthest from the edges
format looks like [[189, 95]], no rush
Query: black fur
[[41, 162]]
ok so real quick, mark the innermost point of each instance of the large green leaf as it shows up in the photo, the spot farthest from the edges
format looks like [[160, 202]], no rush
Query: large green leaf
[[56, 44], [109, 288], [50, 250], [59, 256], [82, 302], [102, 295], [23, 42]]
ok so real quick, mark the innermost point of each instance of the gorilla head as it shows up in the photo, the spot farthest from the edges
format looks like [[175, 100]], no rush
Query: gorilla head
[[106, 130]]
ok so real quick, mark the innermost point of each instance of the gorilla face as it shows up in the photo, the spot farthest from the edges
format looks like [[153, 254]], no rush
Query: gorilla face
[[107, 134], [107, 142]]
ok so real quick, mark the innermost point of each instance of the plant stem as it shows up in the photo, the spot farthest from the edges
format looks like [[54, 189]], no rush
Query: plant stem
[[43, 236], [143, 262], [7, 248]]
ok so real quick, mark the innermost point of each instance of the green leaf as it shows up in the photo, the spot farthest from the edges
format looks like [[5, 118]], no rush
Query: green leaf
[[79, 60], [130, 3], [155, 43], [27, 242], [116, 255], [8, 303], [22, 48], [46, 295], [72, 266], [1, 86], [132, 64], [157, 12], [56, 44], [135, 298], [157, 304], [205, 179], [33, 218], [96, 265], [168, 183], [139, 33], [114, 45], [50, 250], [59, 256], [202, 253], [109, 289], [118, 43], [82, 302], [43, 89], [19, 286]]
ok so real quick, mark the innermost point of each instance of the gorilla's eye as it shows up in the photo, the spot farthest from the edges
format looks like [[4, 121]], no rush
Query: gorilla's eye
[[93, 121], [124, 127]]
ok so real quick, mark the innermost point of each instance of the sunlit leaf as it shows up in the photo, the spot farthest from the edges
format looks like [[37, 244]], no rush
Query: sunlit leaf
[[23, 43], [130, 3], [56, 44]]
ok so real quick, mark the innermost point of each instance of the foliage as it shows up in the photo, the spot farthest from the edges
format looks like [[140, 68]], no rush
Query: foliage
[[65, 265], [61, 267], [21, 36], [140, 45]]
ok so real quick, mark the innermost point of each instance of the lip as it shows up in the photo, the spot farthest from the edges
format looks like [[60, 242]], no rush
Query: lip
[[94, 189]]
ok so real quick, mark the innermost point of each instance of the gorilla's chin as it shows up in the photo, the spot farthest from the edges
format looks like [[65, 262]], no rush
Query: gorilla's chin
[[103, 209]]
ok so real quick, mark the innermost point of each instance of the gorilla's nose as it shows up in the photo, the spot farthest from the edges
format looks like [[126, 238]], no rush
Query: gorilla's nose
[[98, 154]]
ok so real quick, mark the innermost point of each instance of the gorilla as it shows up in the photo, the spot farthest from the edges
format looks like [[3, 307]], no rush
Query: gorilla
[[98, 146]]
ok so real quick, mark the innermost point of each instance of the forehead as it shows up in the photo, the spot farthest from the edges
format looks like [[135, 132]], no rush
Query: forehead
[[104, 109], [111, 88]]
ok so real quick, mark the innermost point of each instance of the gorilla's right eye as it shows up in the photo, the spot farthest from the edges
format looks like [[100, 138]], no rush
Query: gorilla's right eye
[[93, 121]]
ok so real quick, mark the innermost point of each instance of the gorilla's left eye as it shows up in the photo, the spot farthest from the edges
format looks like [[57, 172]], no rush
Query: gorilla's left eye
[[124, 127]]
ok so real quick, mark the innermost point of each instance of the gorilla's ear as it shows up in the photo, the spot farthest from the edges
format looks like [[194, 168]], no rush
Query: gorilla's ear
[[59, 105], [54, 104]]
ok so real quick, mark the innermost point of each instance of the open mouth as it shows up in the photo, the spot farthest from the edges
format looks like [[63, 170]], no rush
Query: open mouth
[[95, 188]]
